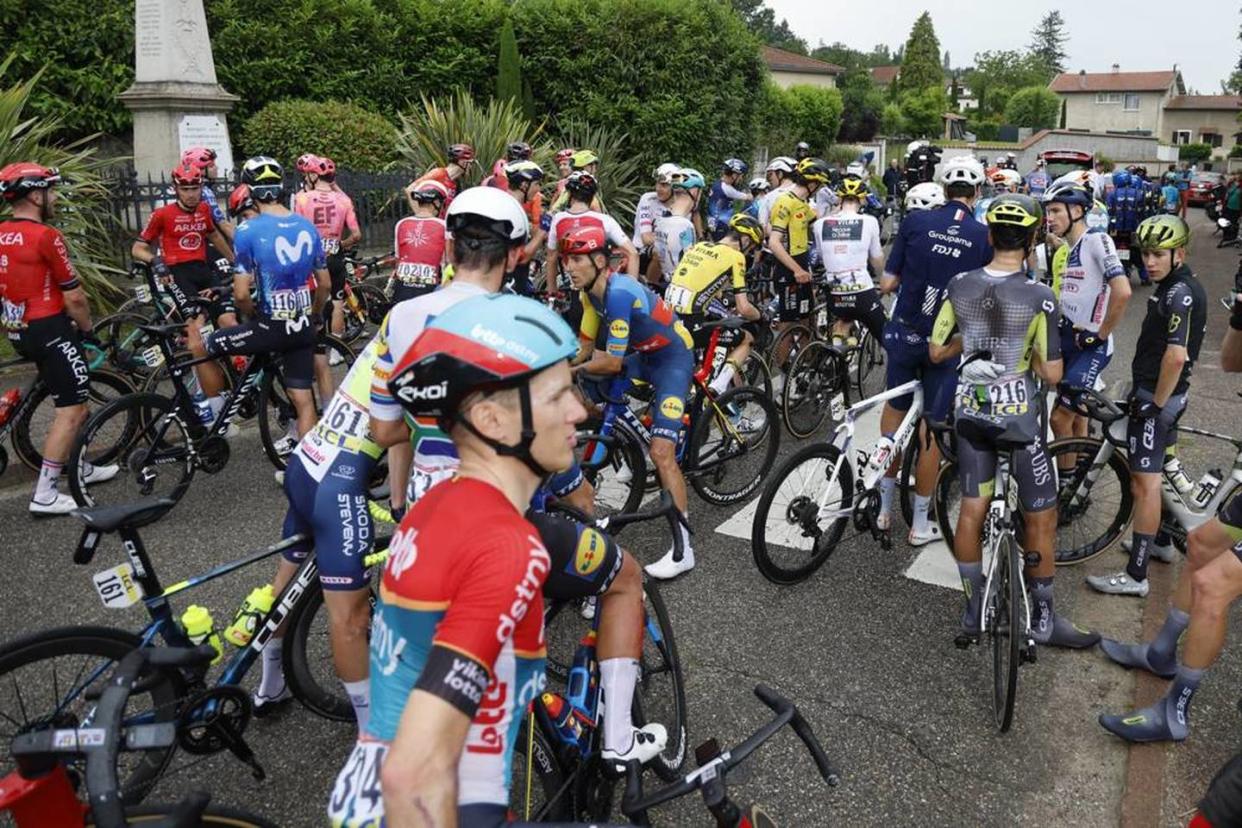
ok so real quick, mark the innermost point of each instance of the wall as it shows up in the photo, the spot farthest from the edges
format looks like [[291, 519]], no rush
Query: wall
[[1224, 121], [1121, 149], [788, 79], [1082, 112]]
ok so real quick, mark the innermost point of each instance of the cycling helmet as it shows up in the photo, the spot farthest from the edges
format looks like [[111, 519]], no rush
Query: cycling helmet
[[187, 175], [1014, 210], [20, 179], [1162, 232], [584, 240], [801, 150], [735, 165], [322, 166], [265, 177], [758, 185], [304, 162], [1008, 178], [688, 178], [926, 196], [564, 156], [963, 169], [460, 154], [523, 172], [814, 169], [583, 158], [240, 200], [494, 211], [582, 185], [201, 157], [781, 164], [744, 224], [665, 172], [429, 191], [518, 151], [852, 187], [1121, 178], [1069, 192]]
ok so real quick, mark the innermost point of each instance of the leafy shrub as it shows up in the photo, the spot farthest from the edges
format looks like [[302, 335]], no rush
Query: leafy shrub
[[1236, 151], [1194, 153], [1037, 107], [350, 135], [817, 115]]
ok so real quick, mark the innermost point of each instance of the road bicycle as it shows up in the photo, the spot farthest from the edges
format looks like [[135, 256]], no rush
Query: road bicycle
[[69, 756], [53, 677], [366, 303]]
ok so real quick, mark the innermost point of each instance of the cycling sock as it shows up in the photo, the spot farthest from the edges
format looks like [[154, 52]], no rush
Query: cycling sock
[[49, 474], [888, 486], [617, 678], [921, 503], [1041, 608], [1166, 720], [272, 684], [1140, 556], [1162, 652], [972, 583], [721, 383], [216, 404], [359, 693]]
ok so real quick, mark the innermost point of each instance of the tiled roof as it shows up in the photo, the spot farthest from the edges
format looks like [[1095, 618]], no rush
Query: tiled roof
[[779, 60], [1223, 102], [884, 75], [1113, 81]]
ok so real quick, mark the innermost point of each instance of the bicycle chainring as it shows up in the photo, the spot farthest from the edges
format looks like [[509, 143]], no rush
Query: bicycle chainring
[[213, 720], [594, 791], [213, 454]]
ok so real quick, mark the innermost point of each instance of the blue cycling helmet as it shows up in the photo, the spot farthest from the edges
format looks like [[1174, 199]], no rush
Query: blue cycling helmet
[[1121, 178], [688, 179], [1069, 192], [735, 165]]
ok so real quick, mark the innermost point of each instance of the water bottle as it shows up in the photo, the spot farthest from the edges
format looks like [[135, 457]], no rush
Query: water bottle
[[200, 629], [1173, 471], [882, 454], [258, 604], [8, 404], [1207, 487], [582, 687], [563, 719]]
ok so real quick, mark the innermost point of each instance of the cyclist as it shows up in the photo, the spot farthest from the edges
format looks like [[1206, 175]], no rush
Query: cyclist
[[516, 151], [1164, 355], [1037, 180], [779, 172], [281, 253], [241, 204], [581, 188], [419, 241], [675, 230], [709, 273], [582, 160], [1091, 286], [642, 339], [204, 158], [801, 150], [1012, 320], [457, 649], [524, 179], [332, 213], [1210, 582], [926, 196], [759, 187], [930, 248], [564, 162], [722, 195], [181, 231], [847, 246], [789, 243], [460, 156], [42, 301], [651, 206]]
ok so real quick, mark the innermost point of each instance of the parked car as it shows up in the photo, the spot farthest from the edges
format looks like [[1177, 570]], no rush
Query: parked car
[[1202, 185], [1061, 161]]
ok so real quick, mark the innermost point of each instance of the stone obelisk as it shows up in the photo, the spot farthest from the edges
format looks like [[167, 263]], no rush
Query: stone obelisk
[[176, 100]]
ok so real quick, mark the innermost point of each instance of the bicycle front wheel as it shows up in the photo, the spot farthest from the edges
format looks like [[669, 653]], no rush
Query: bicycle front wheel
[[213, 817], [616, 470], [802, 514], [660, 696], [307, 659], [733, 445], [30, 432], [1006, 621], [816, 375], [1094, 501]]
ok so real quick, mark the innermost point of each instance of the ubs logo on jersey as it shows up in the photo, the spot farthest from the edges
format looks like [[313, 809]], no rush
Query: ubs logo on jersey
[[291, 253]]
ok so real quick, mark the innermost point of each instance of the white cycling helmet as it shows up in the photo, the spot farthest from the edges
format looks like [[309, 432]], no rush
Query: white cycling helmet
[[664, 172], [962, 168], [916, 144], [926, 196], [782, 163], [1010, 178], [760, 184], [491, 209]]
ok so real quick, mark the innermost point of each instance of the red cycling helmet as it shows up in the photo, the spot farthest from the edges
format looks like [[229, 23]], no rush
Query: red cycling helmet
[[583, 241], [564, 156], [241, 199], [322, 166], [23, 177], [430, 191], [187, 175], [201, 157], [304, 162], [461, 154]]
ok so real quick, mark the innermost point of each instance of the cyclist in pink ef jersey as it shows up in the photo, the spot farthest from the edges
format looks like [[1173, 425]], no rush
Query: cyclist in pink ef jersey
[[332, 213]]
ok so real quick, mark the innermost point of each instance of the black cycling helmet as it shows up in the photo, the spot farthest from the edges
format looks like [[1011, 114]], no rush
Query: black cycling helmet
[[814, 169], [265, 177], [802, 150], [582, 185], [518, 151]]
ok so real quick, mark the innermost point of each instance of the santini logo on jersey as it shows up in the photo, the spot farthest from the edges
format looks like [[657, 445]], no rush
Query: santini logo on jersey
[[288, 253]]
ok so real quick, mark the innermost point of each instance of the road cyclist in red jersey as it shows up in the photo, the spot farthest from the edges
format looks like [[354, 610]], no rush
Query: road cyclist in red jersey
[[460, 157]]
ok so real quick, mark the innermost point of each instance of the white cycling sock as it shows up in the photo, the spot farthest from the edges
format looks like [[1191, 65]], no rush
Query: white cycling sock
[[920, 514], [49, 474], [617, 678], [888, 486], [216, 404], [359, 693], [721, 383], [272, 684]]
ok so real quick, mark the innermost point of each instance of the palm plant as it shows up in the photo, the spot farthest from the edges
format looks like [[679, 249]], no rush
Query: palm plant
[[620, 174]]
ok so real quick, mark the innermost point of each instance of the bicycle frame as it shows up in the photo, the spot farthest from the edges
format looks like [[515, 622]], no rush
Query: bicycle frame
[[999, 521], [869, 478]]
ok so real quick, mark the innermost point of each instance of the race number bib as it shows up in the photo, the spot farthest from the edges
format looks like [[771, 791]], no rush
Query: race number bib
[[356, 797], [14, 317], [290, 304], [680, 298], [413, 274], [117, 588], [331, 247], [1003, 398]]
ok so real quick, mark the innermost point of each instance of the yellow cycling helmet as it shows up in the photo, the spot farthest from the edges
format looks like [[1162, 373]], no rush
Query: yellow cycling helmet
[[854, 188], [1162, 233], [1015, 210], [580, 159], [744, 224], [813, 169]]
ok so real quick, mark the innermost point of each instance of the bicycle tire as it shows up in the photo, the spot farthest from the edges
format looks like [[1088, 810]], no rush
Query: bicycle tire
[[213, 817], [323, 698], [1007, 601], [613, 493], [815, 376], [786, 345], [660, 657], [373, 302], [1072, 548], [870, 355], [150, 425], [756, 373], [947, 499], [98, 647], [278, 417], [104, 387], [534, 749], [796, 514], [159, 380], [124, 342], [734, 444]]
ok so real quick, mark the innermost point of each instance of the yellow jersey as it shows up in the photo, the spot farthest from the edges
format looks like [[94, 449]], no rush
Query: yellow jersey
[[707, 272], [793, 216]]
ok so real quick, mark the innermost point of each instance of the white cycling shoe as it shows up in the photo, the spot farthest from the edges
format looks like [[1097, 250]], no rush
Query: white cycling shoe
[[100, 474], [667, 567], [624, 474], [917, 539], [1118, 583], [62, 504], [1164, 554], [648, 742], [335, 358]]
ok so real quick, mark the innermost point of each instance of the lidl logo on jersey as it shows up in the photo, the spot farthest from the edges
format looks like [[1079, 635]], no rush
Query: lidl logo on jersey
[[590, 553], [291, 253], [671, 407], [619, 329]]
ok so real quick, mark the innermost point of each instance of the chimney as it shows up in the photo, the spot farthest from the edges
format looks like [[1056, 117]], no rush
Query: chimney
[[1082, 78], [1116, 67]]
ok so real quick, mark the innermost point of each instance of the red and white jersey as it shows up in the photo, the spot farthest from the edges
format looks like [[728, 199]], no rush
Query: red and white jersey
[[565, 221], [34, 271], [419, 242], [180, 234]]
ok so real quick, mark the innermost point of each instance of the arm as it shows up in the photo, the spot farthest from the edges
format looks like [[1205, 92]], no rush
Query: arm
[[1171, 363], [776, 244], [1118, 297], [353, 233], [56, 254], [734, 193], [419, 777], [142, 252], [891, 279], [323, 289], [537, 239], [744, 306], [79, 309], [602, 363], [945, 342], [219, 242], [1177, 334], [631, 258], [241, 293]]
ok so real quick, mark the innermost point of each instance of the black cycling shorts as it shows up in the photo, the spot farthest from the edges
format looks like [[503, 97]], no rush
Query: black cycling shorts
[[863, 306], [1150, 437], [52, 344], [402, 292], [794, 299], [293, 341], [338, 273], [194, 277], [729, 337], [585, 561], [1031, 468]]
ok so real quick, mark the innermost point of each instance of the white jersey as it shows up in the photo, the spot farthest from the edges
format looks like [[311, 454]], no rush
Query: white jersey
[[1083, 282], [824, 201], [674, 235], [649, 209], [565, 221], [765, 204], [845, 242]]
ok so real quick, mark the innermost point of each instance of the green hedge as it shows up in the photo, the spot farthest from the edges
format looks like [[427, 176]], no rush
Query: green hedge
[[351, 136]]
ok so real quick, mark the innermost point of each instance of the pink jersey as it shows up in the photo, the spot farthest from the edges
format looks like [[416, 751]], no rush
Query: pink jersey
[[419, 242], [331, 212]]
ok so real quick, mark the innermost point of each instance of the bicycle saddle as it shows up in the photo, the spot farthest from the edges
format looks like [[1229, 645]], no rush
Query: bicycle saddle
[[126, 515], [163, 331]]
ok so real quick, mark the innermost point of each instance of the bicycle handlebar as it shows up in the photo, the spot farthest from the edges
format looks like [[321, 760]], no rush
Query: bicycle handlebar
[[613, 524]]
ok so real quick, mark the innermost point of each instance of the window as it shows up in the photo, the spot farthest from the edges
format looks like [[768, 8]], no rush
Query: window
[[1108, 97], [1181, 136], [1212, 139], [1131, 102]]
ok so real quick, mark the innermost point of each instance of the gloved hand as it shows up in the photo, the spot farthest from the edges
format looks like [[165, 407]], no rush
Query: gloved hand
[[981, 371], [91, 338], [1087, 339], [160, 269]]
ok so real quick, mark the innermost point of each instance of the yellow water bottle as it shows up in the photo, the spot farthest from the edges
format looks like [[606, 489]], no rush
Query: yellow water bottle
[[246, 622], [199, 628]]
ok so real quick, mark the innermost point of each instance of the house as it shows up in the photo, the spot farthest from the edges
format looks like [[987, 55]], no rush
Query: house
[[1203, 119], [1117, 101], [789, 68], [884, 75]]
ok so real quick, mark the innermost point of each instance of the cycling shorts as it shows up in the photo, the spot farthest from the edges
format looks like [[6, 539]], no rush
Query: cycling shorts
[[908, 359], [729, 337], [293, 341], [337, 273], [333, 513], [584, 560], [668, 371], [402, 292], [52, 344], [194, 277], [1230, 517], [864, 307], [1031, 468], [794, 299], [1083, 366], [1149, 437]]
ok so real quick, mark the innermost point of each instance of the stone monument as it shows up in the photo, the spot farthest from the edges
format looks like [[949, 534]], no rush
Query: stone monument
[[176, 100]]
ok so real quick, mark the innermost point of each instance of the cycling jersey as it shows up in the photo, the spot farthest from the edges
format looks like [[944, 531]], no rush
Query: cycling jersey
[[419, 242], [824, 201], [845, 243], [1081, 277], [282, 253], [460, 616], [931, 247], [213, 204], [1176, 315], [649, 209], [765, 203], [565, 222], [34, 272], [440, 174], [674, 235], [720, 200], [1037, 182], [180, 234], [331, 211], [792, 216], [707, 272]]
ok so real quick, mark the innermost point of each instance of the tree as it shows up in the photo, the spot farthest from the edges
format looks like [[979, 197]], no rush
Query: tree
[[1048, 43], [863, 104], [817, 114], [997, 75], [508, 66], [348, 134], [762, 22], [1233, 84], [842, 55], [947, 65], [920, 68], [922, 111], [1037, 107], [892, 122]]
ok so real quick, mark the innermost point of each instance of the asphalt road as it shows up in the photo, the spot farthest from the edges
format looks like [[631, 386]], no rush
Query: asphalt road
[[865, 652]]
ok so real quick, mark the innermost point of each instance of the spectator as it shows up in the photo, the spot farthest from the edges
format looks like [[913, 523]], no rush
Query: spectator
[[1037, 180], [892, 181], [1233, 210]]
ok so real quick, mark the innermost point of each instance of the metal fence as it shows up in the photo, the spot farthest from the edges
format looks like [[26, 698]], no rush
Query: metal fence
[[377, 197]]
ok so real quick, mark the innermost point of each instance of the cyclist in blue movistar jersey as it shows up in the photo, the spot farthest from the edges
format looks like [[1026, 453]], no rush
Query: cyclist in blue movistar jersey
[[931, 247], [723, 193]]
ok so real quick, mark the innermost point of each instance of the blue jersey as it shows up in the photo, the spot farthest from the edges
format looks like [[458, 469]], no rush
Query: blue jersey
[[1172, 197], [209, 196], [931, 248], [1125, 209], [282, 253], [1037, 182], [719, 206], [636, 320]]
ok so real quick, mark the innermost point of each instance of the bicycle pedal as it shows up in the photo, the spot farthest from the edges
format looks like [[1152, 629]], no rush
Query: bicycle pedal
[[965, 640]]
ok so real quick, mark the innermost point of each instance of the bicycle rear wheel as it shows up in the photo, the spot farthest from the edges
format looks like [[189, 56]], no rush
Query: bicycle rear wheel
[[816, 375], [213, 817], [660, 696], [30, 432], [756, 373], [617, 470], [786, 346], [870, 357], [1006, 629], [307, 659], [947, 501], [537, 792], [733, 445], [791, 537], [1092, 510]]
